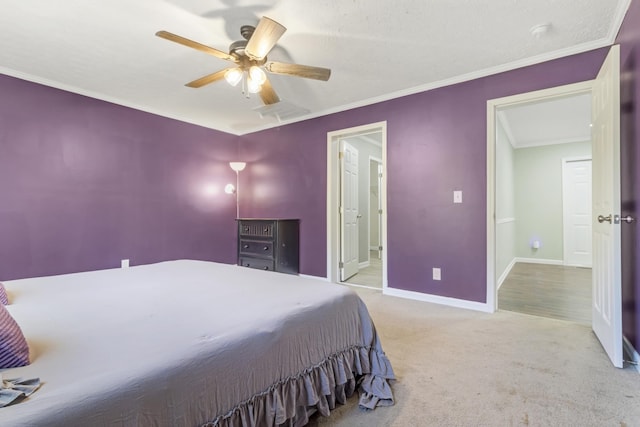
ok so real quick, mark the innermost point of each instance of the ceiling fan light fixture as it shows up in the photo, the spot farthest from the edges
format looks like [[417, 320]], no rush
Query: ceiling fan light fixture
[[249, 57], [233, 76], [257, 74], [253, 86]]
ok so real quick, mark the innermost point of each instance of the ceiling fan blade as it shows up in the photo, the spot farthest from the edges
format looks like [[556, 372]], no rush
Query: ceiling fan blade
[[306, 71], [195, 45], [209, 78], [264, 38], [267, 94]]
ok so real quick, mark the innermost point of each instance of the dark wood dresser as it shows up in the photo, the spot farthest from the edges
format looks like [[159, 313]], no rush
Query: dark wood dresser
[[269, 244]]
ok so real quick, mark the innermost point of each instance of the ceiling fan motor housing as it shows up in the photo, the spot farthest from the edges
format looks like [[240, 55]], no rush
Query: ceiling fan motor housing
[[247, 31], [237, 48]]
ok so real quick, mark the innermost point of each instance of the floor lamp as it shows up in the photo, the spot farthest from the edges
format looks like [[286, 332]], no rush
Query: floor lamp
[[230, 189]]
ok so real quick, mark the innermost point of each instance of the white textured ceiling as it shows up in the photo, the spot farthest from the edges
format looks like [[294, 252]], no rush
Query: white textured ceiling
[[559, 121], [377, 50]]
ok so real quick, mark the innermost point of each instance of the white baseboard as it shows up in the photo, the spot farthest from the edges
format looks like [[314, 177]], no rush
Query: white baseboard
[[308, 276], [540, 261], [364, 264], [451, 302], [505, 221], [355, 285], [506, 272], [373, 248], [578, 265], [513, 262], [631, 353]]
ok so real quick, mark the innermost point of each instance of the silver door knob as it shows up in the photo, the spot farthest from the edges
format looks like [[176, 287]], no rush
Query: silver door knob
[[602, 219], [628, 219]]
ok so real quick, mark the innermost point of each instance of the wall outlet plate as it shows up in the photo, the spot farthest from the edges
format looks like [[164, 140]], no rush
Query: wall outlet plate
[[457, 196], [437, 274], [124, 263]]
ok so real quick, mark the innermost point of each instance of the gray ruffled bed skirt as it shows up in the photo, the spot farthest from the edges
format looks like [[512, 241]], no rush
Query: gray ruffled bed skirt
[[291, 401]]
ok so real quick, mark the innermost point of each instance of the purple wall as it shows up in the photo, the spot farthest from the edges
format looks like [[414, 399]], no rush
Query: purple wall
[[436, 143], [629, 40], [85, 183]]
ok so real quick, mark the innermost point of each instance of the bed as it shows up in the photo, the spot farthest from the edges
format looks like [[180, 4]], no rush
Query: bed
[[192, 343]]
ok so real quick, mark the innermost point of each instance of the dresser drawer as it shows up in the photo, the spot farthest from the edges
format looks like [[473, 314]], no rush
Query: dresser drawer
[[256, 247], [269, 244], [257, 228], [258, 263]]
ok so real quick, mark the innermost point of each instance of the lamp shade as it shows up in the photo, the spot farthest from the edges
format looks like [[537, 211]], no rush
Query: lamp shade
[[233, 76], [257, 75], [253, 86], [237, 166]]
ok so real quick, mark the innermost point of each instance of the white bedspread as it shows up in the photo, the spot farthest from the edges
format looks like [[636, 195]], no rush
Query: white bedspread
[[178, 343]]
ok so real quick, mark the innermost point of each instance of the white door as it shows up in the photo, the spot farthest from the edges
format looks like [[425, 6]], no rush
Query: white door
[[576, 198], [348, 210], [607, 297]]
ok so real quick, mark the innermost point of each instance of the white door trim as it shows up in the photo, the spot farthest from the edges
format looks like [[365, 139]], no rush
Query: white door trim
[[333, 202], [492, 106], [565, 208], [379, 162]]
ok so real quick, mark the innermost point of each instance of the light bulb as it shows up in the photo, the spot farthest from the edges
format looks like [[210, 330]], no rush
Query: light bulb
[[233, 76], [257, 75], [253, 86]]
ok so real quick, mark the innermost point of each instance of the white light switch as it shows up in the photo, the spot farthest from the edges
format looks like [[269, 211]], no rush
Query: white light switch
[[457, 196], [436, 274]]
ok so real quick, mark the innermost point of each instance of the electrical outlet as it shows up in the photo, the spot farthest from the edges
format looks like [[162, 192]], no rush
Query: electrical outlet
[[457, 196], [436, 274], [124, 263]]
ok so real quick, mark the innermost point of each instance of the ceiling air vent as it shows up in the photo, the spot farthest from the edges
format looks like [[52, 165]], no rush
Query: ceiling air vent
[[282, 111]]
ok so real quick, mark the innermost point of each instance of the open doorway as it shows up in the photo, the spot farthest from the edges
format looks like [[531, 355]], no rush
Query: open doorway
[[543, 207], [369, 218], [606, 308], [356, 206]]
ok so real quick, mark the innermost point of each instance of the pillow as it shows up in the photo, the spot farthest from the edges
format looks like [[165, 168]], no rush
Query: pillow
[[14, 350], [3, 295]]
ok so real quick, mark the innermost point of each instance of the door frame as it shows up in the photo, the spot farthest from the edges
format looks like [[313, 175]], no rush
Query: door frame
[[333, 196], [493, 105], [378, 185], [565, 162]]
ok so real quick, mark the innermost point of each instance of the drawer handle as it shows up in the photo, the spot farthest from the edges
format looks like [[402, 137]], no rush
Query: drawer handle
[[247, 265], [266, 229], [265, 268], [266, 248], [246, 246]]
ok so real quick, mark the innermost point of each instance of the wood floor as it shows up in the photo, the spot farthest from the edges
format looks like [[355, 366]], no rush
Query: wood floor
[[553, 291], [369, 276]]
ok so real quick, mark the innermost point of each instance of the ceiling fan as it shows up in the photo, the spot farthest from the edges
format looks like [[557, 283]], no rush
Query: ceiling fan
[[250, 59]]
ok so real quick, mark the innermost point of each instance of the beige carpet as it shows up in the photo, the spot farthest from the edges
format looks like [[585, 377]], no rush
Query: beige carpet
[[458, 367]]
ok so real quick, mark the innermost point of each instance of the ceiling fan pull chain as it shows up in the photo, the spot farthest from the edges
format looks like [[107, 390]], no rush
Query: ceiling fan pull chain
[[245, 88]]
